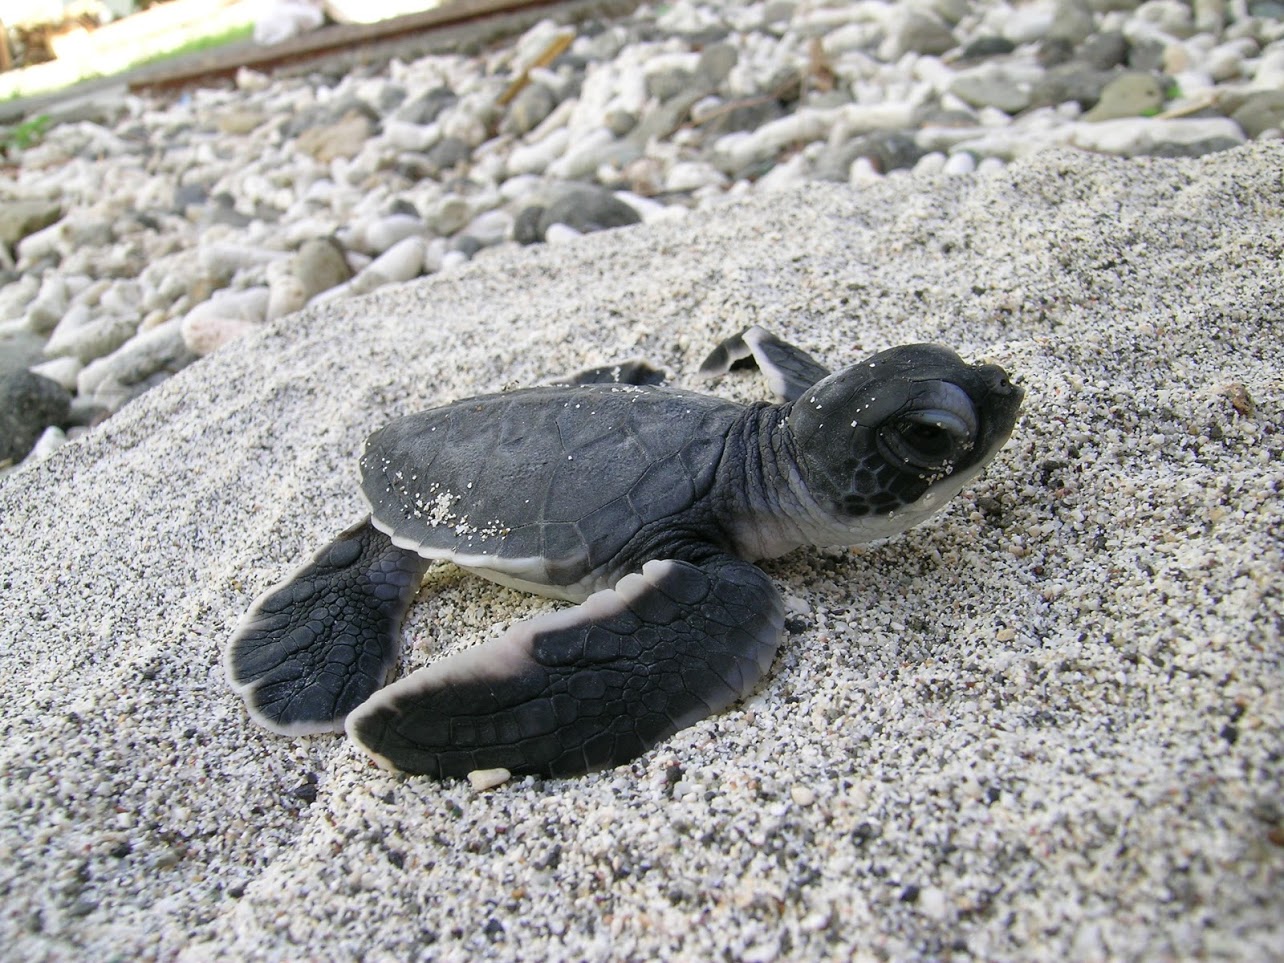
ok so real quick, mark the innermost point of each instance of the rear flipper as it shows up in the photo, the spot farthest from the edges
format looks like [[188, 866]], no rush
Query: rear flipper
[[789, 369], [623, 373], [314, 647], [587, 687]]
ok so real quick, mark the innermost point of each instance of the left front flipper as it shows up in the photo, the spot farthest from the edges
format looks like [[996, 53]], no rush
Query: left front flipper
[[588, 687], [789, 369]]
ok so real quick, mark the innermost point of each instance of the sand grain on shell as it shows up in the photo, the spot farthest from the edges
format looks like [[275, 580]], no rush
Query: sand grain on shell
[[1045, 725]]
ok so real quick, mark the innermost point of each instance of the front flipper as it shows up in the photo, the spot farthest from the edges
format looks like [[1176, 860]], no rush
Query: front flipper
[[789, 369], [314, 647], [587, 687]]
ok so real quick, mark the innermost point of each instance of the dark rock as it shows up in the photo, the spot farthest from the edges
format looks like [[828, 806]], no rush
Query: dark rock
[[983, 47], [446, 154], [588, 209], [747, 115], [526, 226], [425, 108], [1146, 56], [1103, 50], [391, 96], [886, 150], [402, 206], [466, 243], [29, 404], [1054, 52], [223, 210], [716, 62], [667, 83], [189, 195], [1072, 81], [666, 118], [529, 107]]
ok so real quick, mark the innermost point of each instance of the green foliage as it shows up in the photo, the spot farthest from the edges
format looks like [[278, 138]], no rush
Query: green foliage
[[23, 135]]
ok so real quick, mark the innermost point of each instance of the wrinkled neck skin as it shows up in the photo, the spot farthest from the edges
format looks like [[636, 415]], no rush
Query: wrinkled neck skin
[[764, 506]]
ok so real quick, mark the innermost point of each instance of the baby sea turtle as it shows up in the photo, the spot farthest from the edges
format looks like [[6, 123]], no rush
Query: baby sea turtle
[[644, 504]]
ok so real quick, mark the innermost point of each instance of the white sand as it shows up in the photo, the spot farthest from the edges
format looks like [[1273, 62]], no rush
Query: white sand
[[1047, 725]]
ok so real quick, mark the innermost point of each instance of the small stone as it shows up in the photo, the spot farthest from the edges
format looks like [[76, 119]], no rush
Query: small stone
[[449, 214], [446, 154], [62, 370], [717, 60], [918, 31], [320, 264], [985, 47], [527, 227], [407, 136], [381, 234], [401, 262], [802, 795], [484, 779], [933, 903], [669, 82], [427, 107], [960, 163], [490, 227], [558, 233], [50, 440]]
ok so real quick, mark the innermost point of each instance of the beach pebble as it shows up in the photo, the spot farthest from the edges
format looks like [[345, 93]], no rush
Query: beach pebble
[[84, 335], [401, 262], [62, 370], [50, 440], [20, 218], [158, 349]]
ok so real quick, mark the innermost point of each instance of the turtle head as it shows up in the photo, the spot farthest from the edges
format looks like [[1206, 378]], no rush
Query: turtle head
[[886, 442]]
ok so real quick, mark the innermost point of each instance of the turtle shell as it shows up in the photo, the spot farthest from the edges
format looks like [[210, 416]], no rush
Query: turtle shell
[[556, 490]]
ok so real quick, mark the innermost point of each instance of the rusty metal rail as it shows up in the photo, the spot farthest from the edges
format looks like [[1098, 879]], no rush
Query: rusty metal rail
[[465, 24]]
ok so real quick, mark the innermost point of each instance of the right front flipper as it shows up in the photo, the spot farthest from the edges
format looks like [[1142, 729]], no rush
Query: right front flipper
[[587, 687], [789, 369], [314, 647]]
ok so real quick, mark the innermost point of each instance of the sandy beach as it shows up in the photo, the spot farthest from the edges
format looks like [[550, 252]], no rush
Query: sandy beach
[[1048, 724]]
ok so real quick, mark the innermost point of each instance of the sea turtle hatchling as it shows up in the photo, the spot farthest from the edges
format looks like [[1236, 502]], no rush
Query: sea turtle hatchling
[[644, 504]]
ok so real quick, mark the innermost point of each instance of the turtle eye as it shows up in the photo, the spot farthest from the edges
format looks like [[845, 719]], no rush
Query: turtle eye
[[926, 440]]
